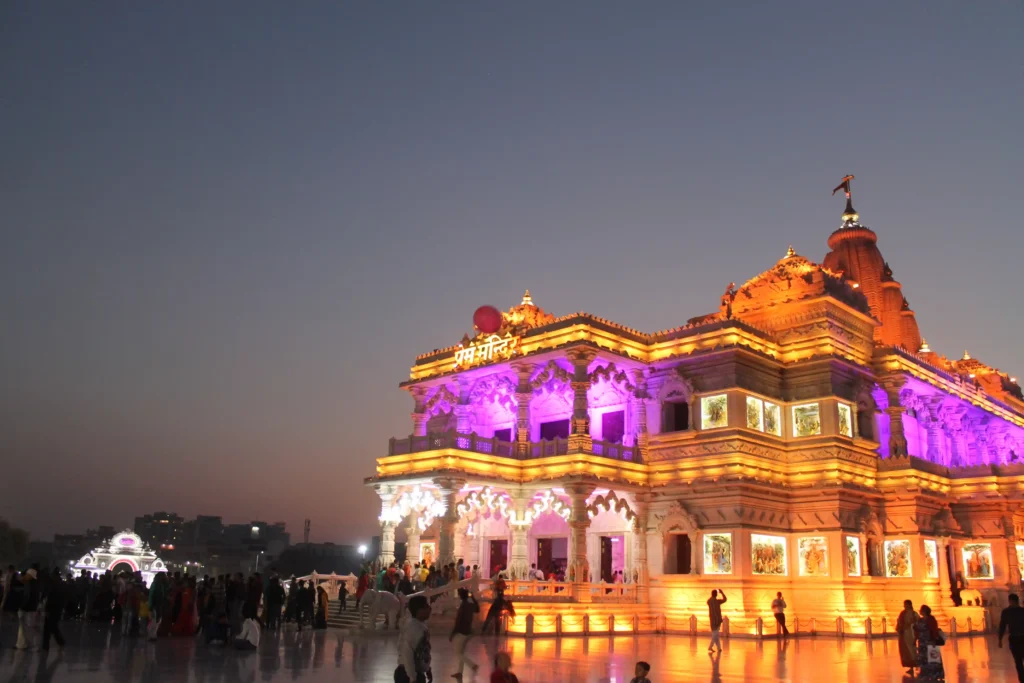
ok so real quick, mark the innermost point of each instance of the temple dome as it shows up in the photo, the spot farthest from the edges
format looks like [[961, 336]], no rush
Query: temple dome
[[855, 254], [791, 279]]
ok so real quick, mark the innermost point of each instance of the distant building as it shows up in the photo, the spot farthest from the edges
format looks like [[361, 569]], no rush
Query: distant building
[[160, 530]]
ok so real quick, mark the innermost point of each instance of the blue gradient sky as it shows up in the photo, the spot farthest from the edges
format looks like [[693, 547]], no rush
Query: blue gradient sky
[[229, 227]]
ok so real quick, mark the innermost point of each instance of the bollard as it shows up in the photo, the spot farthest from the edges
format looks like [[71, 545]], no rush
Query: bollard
[[814, 627], [952, 627], [796, 625], [636, 623], [529, 625], [885, 625], [693, 625], [611, 624], [867, 626], [839, 627], [725, 627], [759, 627], [586, 624], [558, 625], [970, 625]]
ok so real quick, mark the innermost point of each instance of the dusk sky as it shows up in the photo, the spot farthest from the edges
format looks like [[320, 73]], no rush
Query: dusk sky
[[229, 227]]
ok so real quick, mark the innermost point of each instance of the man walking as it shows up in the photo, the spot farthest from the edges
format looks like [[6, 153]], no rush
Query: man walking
[[463, 631], [53, 610], [1012, 620], [779, 610], [715, 614], [28, 614]]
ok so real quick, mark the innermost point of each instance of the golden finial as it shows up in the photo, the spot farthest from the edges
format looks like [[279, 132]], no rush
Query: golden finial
[[790, 253], [967, 356], [527, 299], [924, 347]]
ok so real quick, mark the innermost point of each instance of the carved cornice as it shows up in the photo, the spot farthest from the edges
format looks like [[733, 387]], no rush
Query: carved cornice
[[609, 373]]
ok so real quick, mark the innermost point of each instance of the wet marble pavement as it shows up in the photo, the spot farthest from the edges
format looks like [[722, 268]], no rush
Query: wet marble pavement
[[95, 655]]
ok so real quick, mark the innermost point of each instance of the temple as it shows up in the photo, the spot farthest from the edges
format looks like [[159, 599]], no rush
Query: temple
[[125, 551], [801, 438]]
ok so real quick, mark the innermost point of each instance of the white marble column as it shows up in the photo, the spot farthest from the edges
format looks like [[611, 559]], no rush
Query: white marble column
[[524, 394], [412, 543], [579, 525], [945, 585], [641, 575], [388, 522], [579, 437], [420, 416], [387, 543], [448, 489], [519, 555]]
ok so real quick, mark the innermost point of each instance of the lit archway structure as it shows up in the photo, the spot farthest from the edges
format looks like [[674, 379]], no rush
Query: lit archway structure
[[125, 551]]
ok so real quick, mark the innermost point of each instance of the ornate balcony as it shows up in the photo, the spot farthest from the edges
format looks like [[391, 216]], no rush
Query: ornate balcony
[[505, 449]]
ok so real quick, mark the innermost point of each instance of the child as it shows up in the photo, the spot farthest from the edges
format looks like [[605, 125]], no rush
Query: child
[[501, 674], [642, 669]]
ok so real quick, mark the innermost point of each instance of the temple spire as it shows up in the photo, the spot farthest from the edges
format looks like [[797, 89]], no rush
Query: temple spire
[[850, 216], [527, 299]]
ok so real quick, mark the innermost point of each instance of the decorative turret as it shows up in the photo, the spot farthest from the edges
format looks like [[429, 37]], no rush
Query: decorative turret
[[854, 252]]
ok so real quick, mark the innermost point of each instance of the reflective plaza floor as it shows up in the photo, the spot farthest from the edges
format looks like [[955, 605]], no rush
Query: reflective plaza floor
[[95, 655]]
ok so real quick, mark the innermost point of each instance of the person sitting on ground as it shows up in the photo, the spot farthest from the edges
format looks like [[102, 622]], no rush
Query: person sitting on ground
[[641, 671], [249, 637]]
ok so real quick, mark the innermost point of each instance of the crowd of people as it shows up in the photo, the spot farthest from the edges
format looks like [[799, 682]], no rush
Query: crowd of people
[[233, 609], [222, 610]]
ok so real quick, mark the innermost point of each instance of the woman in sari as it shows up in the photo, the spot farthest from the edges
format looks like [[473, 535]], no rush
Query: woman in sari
[[905, 629], [362, 587], [321, 608], [185, 623], [929, 653]]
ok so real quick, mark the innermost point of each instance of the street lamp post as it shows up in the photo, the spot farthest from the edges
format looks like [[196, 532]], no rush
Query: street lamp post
[[258, 562]]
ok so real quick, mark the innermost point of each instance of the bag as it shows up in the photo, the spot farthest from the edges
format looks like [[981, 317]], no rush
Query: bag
[[152, 628], [934, 654], [941, 639]]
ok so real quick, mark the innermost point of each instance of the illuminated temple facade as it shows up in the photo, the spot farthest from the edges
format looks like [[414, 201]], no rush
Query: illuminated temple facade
[[801, 438]]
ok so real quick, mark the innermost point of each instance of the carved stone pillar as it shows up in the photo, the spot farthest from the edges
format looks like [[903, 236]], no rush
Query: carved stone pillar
[[388, 522], [641, 575], [641, 402], [463, 411], [387, 543], [420, 416], [933, 423], [419, 424], [945, 580], [865, 562], [952, 423], [519, 554], [579, 523], [1013, 580], [448, 488], [412, 543], [524, 394], [579, 437], [981, 442], [472, 549], [897, 438]]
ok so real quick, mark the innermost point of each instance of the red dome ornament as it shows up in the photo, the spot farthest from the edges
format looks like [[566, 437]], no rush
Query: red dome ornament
[[487, 319]]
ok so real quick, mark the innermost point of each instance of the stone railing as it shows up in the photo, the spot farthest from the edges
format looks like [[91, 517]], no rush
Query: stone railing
[[505, 449], [613, 592], [465, 442]]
